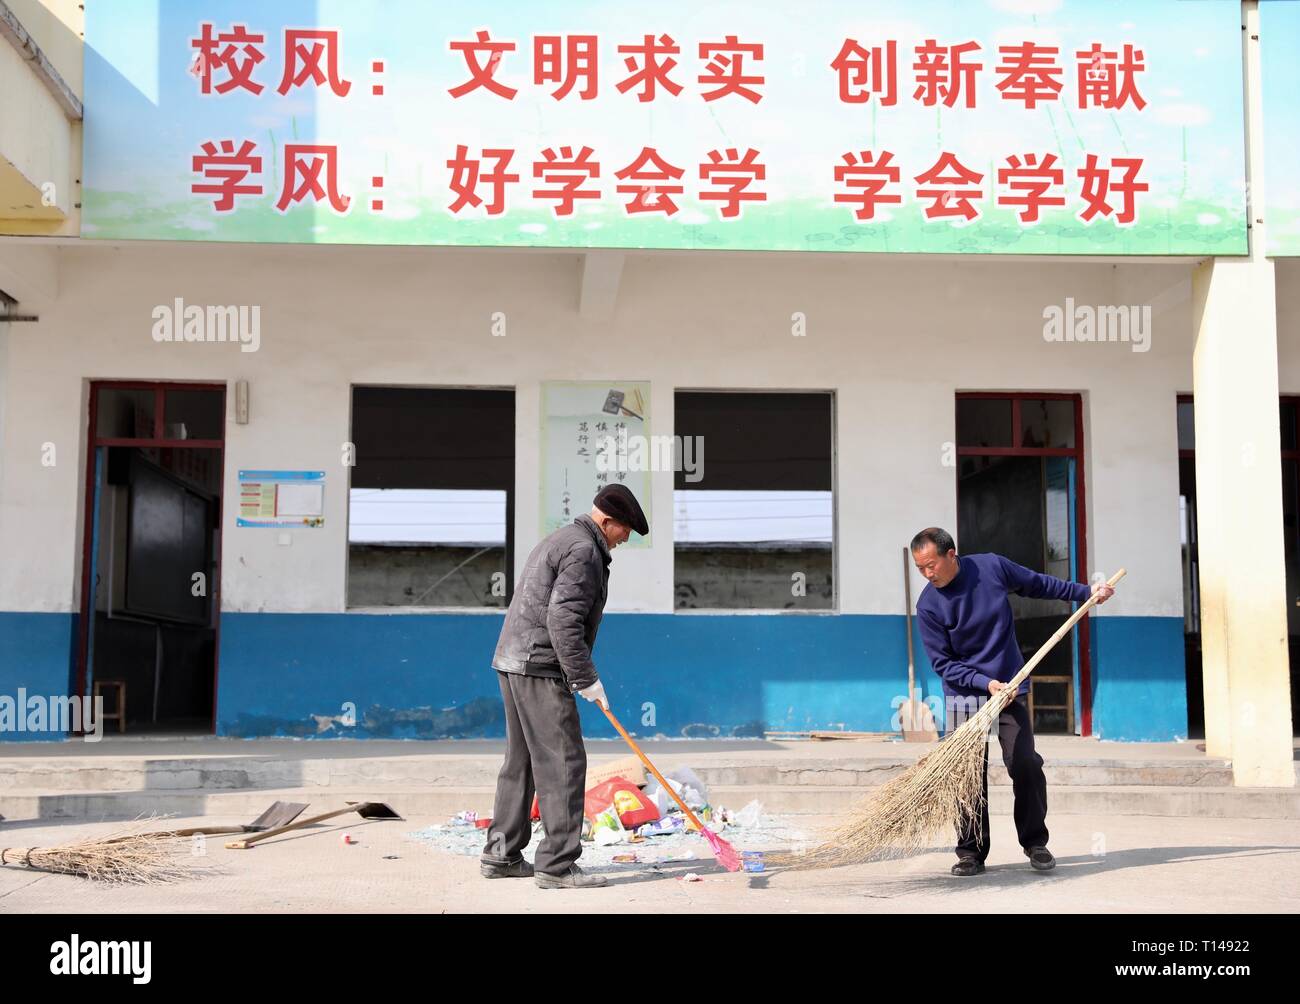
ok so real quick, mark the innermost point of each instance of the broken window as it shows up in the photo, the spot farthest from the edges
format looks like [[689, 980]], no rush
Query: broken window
[[431, 504], [753, 515]]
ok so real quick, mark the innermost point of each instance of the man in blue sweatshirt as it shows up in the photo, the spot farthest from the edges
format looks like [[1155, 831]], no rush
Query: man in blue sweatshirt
[[968, 631]]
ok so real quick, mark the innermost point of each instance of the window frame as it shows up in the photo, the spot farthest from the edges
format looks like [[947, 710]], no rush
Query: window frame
[[511, 492], [834, 608]]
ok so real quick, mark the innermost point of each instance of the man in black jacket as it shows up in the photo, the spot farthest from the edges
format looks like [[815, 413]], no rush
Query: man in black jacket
[[543, 658]]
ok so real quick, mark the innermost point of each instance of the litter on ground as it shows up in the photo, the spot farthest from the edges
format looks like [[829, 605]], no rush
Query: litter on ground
[[607, 844]]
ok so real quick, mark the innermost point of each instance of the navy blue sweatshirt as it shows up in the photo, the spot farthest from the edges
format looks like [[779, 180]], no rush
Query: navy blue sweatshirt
[[967, 626]]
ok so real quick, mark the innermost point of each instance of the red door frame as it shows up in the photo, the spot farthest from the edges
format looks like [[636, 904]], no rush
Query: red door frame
[[94, 441], [1080, 506]]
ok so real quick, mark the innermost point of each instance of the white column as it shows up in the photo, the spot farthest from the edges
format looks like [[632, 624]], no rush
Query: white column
[[1239, 492]]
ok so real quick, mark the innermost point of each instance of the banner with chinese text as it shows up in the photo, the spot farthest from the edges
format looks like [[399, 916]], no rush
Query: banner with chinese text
[[985, 126], [1279, 31]]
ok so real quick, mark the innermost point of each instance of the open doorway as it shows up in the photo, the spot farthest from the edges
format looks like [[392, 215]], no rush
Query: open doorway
[[148, 632], [1289, 427], [1020, 494]]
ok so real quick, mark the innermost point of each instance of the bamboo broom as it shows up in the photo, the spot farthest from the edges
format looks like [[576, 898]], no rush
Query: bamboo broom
[[935, 795], [125, 856]]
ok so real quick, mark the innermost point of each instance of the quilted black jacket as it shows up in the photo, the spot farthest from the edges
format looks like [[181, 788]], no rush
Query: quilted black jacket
[[551, 625]]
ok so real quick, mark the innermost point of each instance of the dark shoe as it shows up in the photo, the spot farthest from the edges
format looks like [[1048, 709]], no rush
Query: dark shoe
[[515, 869], [574, 878], [966, 867], [1040, 859]]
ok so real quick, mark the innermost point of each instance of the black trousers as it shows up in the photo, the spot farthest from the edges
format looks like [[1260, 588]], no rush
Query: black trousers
[[544, 754], [1028, 784]]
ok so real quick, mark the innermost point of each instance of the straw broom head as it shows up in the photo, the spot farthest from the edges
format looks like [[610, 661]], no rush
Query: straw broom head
[[909, 813], [940, 792], [124, 856]]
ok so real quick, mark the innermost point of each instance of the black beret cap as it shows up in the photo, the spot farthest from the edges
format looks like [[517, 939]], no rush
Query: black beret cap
[[618, 501]]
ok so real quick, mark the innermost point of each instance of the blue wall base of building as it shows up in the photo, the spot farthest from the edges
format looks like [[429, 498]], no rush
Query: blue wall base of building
[[429, 676], [1140, 694], [36, 663]]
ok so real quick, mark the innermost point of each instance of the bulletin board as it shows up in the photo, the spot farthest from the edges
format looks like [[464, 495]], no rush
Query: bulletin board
[[281, 498]]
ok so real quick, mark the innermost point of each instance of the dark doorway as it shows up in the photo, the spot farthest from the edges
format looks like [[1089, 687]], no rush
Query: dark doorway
[[151, 569], [1020, 494], [1289, 419]]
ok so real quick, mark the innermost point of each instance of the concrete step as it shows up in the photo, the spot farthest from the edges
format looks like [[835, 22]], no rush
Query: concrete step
[[243, 805], [226, 773]]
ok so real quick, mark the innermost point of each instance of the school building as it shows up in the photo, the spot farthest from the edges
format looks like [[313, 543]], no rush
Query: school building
[[274, 473]]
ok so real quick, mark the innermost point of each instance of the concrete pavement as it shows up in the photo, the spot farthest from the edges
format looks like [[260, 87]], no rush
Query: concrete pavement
[[1106, 864]]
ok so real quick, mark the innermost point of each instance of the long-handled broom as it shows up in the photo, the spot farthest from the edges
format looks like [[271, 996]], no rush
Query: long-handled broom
[[723, 851], [935, 795], [126, 856]]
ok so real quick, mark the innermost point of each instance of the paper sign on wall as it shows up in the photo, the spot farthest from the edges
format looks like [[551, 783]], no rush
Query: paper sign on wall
[[593, 435], [281, 498]]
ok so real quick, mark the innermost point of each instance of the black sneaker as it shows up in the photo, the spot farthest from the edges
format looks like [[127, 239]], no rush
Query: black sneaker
[[574, 878], [968, 866], [1040, 859], [515, 869]]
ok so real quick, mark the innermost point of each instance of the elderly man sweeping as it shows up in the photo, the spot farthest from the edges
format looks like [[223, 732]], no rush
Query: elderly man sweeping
[[543, 658], [968, 630]]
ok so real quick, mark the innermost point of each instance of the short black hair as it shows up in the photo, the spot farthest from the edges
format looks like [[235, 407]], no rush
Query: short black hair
[[940, 538]]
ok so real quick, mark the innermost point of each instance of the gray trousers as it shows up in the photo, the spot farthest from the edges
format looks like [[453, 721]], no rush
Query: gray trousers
[[544, 753]]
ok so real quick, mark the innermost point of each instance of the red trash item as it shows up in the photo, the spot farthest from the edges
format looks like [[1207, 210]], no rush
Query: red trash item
[[633, 808], [536, 814], [482, 824]]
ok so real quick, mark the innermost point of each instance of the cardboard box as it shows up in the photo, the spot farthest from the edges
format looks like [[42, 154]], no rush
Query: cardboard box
[[628, 767]]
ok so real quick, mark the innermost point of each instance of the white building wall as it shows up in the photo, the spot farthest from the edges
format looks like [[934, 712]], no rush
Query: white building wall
[[895, 338]]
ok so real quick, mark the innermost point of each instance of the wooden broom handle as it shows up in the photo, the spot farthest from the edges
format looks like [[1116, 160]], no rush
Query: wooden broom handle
[[240, 845], [907, 611], [1061, 632], [651, 767]]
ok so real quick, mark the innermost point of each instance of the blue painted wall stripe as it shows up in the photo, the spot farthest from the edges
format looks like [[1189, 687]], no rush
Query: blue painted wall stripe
[[36, 654], [429, 675], [1139, 691]]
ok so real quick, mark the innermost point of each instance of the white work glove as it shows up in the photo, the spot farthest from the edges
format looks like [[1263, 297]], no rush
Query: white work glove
[[596, 692]]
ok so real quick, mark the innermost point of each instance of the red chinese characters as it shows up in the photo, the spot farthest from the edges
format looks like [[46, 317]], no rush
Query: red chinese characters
[[303, 165], [234, 54], [652, 182], [226, 170], [1099, 188], [566, 61], [725, 66], [943, 73], [304, 51], [725, 69], [732, 174], [1029, 181], [567, 173], [483, 58], [865, 176], [650, 72], [1029, 73], [1106, 83], [468, 174], [863, 72], [951, 189]]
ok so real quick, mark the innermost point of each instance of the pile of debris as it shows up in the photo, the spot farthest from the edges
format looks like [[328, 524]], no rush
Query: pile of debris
[[630, 819]]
